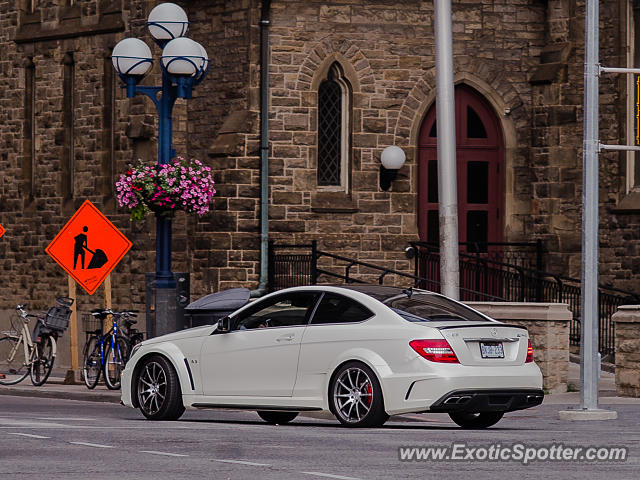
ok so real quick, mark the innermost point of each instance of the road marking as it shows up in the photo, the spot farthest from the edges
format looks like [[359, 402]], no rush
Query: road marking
[[328, 475], [96, 445], [10, 422], [28, 435], [241, 462], [153, 452], [70, 419]]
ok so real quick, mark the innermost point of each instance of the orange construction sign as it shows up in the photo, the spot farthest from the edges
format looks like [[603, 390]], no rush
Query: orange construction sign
[[1, 230], [88, 247]]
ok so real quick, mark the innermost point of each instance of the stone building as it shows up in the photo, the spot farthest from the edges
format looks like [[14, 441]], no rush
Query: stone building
[[347, 79]]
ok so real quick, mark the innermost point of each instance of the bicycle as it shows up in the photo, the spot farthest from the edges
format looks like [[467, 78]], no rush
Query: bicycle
[[22, 354], [106, 353], [132, 335]]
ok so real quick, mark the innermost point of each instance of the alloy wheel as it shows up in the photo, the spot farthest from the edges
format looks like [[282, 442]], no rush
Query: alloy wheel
[[353, 394], [152, 387]]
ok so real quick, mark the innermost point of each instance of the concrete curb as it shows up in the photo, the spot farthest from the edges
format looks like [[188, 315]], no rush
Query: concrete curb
[[48, 392], [585, 415]]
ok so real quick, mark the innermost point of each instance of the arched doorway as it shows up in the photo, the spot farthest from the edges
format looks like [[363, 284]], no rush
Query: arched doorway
[[480, 165]]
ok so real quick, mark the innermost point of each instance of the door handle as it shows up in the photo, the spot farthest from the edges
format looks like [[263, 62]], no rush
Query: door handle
[[285, 338]]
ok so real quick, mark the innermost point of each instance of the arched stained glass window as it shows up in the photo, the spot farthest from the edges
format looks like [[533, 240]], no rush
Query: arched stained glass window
[[334, 108]]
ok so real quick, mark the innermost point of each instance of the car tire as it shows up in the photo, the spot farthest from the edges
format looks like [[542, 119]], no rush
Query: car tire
[[157, 388], [355, 396], [476, 420], [279, 418]]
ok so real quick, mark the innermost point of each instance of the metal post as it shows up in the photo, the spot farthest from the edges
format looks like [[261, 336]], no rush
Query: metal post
[[447, 181], [272, 287], [164, 276], [162, 318], [539, 270], [264, 150], [314, 262], [589, 330]]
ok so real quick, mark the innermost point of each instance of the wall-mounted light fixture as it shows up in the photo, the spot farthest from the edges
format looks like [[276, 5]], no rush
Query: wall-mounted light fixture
[[391, 160]]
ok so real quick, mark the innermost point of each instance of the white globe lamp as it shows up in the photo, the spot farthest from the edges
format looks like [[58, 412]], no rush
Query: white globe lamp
[[183, 56], [167, 21], [393, 158], [131, 56]]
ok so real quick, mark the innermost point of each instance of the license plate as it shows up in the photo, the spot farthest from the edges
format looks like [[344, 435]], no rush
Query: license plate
[[491, 350]]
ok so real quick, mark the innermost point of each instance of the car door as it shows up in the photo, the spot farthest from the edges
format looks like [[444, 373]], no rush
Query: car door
[[337, 325], [259, 356]]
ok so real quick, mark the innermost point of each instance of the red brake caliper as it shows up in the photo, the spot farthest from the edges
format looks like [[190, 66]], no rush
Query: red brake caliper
[[369, 391]]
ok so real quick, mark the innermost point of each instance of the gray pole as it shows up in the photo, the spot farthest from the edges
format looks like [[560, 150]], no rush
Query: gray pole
[[447, 182], [589, 371]]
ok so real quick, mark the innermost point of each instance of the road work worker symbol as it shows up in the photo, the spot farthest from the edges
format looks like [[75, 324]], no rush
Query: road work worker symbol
[[98, 259], [88, 247]]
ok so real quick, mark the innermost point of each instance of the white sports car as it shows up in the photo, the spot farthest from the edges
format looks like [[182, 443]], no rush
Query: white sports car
[[361, 352]]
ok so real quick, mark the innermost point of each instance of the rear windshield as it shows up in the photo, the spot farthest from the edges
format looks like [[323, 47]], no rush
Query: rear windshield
[[432, 308]]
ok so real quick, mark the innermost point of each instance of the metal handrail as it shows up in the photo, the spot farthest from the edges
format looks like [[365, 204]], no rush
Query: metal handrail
[[482, 278]]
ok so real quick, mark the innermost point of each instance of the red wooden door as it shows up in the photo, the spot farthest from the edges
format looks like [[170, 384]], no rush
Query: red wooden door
[[480, 158]]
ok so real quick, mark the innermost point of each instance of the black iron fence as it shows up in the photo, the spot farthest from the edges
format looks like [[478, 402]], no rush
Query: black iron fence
[[305, 264], [483, 277]]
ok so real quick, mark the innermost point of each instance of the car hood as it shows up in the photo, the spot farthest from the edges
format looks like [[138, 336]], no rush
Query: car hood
[[182, 334]]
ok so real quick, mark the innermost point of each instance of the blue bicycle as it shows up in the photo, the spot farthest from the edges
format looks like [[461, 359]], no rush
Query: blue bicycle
[[105, 353]]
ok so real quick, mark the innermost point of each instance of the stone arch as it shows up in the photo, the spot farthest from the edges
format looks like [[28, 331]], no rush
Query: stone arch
[[483, 77], [355, 64], [479, 75]]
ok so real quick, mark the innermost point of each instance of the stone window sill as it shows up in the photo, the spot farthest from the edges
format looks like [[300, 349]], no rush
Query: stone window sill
[[630, 204]]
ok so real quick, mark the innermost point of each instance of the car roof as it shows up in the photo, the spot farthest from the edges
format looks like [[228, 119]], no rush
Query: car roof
[[379, 292]]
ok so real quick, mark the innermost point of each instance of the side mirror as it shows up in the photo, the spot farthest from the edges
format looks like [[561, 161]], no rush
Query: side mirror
[[224, 324]]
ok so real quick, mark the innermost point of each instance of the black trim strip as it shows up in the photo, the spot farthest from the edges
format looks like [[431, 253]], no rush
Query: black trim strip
[[186, 363], [406, 397], [496, 324], [256, 407]]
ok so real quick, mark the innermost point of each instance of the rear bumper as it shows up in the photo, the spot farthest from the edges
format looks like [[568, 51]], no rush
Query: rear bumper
[[488, 400]]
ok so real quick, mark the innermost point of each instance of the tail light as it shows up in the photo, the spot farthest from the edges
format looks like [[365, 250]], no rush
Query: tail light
[[529, 352], [435, 350]]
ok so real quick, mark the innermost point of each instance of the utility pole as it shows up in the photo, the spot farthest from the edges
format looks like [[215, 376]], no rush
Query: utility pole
[[589, 355], [447, 180], [589, 371]]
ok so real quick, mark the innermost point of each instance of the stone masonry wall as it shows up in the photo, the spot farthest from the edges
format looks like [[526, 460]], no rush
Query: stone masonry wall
[[556, 149], [88, 31], [386, 50], [548, 327], [224, 130], [627, 322]]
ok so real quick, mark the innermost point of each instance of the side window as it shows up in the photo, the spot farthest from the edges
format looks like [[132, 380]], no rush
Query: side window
[[335, 308], [288, 310]]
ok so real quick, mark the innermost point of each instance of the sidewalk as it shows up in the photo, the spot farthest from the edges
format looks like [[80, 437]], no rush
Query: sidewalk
[[55, 388]]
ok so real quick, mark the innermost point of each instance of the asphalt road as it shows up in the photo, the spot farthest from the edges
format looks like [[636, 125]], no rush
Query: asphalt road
[[67, 439]]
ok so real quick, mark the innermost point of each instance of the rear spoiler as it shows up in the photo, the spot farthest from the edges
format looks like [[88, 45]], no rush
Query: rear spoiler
[[497, 324]]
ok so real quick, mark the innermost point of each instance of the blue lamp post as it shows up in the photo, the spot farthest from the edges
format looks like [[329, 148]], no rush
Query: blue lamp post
[[184, 65]]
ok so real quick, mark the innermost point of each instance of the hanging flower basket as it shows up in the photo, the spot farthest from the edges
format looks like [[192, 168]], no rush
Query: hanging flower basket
[[163, 189]]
